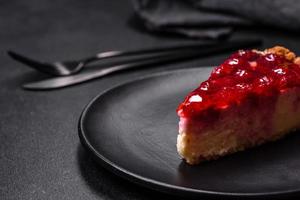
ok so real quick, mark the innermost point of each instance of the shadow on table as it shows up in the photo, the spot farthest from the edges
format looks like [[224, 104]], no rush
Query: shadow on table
[[25, 77], [107, 184]]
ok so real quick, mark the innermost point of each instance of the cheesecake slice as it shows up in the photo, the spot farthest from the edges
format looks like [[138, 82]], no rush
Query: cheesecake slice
[[250, 99]]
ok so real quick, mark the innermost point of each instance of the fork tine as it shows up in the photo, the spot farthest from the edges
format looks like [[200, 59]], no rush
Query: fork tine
[[40, 66], [23, 59]]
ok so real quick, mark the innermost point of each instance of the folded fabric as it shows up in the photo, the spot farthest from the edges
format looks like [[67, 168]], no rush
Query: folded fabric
[[215, 18]]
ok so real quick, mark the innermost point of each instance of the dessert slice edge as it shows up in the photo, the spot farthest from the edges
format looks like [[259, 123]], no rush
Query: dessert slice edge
[[211, 132]]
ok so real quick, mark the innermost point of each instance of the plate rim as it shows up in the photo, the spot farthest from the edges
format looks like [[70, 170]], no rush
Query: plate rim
[[151, 183]]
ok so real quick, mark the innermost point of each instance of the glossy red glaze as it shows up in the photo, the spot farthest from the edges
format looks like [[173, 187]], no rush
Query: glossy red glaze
[[243, 74]]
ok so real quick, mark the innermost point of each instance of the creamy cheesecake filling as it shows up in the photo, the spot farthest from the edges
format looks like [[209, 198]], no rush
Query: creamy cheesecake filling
[[248, 113]]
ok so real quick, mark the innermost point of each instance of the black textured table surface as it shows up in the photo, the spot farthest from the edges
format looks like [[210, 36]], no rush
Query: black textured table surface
[[40, 153]]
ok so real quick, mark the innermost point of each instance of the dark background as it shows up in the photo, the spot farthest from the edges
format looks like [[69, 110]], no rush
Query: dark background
[[40, 153]]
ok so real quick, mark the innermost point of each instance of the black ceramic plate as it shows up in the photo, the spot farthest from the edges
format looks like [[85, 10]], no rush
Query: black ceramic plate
[[132, 129]]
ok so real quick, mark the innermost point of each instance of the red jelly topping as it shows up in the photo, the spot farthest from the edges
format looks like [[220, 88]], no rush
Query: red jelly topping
[[243, 74]]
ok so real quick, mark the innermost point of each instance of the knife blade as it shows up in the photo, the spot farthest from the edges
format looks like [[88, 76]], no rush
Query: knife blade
[[60, 82]]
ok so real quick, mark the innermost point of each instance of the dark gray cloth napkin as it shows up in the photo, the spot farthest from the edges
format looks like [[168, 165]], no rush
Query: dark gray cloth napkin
[[216, 18]]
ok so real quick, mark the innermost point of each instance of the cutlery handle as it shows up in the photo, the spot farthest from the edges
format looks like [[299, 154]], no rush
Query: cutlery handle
[[154, 50], [170, 49], [183, 54]]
